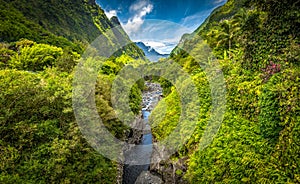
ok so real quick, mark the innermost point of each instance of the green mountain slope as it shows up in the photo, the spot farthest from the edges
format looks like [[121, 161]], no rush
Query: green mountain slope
[[41, 42], [71, 19], [257, 46], [14, 26], [220, 13], [59, 23]]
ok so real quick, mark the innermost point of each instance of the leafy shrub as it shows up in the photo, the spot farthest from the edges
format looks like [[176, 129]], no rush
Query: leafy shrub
[[36, 57]]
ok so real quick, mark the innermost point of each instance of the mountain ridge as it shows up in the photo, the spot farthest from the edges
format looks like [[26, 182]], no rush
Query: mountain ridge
[[254, 46], [150, 52], [223, 12], [42, 46], [61, 23]]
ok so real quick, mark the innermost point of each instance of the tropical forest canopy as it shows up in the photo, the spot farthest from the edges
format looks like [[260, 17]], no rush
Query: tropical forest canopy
[[256, 43]]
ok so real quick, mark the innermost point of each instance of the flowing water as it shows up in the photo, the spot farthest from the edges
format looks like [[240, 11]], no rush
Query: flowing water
[[132, 172]]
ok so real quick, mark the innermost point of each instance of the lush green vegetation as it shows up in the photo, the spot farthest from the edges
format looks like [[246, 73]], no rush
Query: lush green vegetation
[[66, 24], [40, 44], [15, 26], [40, 139], [257, 45]]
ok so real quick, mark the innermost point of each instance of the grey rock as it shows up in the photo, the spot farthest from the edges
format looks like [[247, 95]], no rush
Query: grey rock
[[147, 178]]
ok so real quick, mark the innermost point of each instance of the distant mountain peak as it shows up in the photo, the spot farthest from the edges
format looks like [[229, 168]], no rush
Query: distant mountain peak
[[150, 52]]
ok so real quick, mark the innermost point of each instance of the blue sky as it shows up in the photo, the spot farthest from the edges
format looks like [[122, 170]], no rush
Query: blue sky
[[159, 23]]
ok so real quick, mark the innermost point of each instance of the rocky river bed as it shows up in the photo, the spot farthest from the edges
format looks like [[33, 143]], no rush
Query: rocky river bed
[[152, 96], [153, 172], [136, 172]]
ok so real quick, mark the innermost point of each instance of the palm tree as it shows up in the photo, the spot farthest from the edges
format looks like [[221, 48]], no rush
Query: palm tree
[[225, 37], [240, 18], [228, 31]]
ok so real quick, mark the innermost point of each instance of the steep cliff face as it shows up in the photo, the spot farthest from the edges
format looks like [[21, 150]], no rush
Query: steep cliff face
[[41, 42], [58, 22], [220, 13], [70, 19], [256, 45]]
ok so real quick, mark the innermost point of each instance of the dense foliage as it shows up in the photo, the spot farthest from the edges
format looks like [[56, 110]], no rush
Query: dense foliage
[[41, 42], [40, 139], [14, 26], [257, 45], [66, 24]]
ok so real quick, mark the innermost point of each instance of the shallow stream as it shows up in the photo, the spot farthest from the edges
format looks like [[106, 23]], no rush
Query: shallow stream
[[132, 172]]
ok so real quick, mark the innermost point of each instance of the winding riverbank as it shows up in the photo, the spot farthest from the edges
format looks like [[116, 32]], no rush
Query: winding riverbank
[[139, 173]]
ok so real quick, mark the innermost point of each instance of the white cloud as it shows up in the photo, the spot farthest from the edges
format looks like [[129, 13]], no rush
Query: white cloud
[[194, 21], [162, 35], [161, 47], [111, 13], [217, 2], [140, 9], [138, 5]]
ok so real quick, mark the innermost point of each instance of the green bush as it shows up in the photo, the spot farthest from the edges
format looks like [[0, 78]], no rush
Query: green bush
[[36, 57]]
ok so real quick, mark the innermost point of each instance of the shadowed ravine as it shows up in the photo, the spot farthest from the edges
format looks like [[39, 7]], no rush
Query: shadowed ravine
[[132, 172]]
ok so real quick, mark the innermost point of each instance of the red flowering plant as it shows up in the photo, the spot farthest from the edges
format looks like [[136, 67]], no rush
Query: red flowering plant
[[270, 70]]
